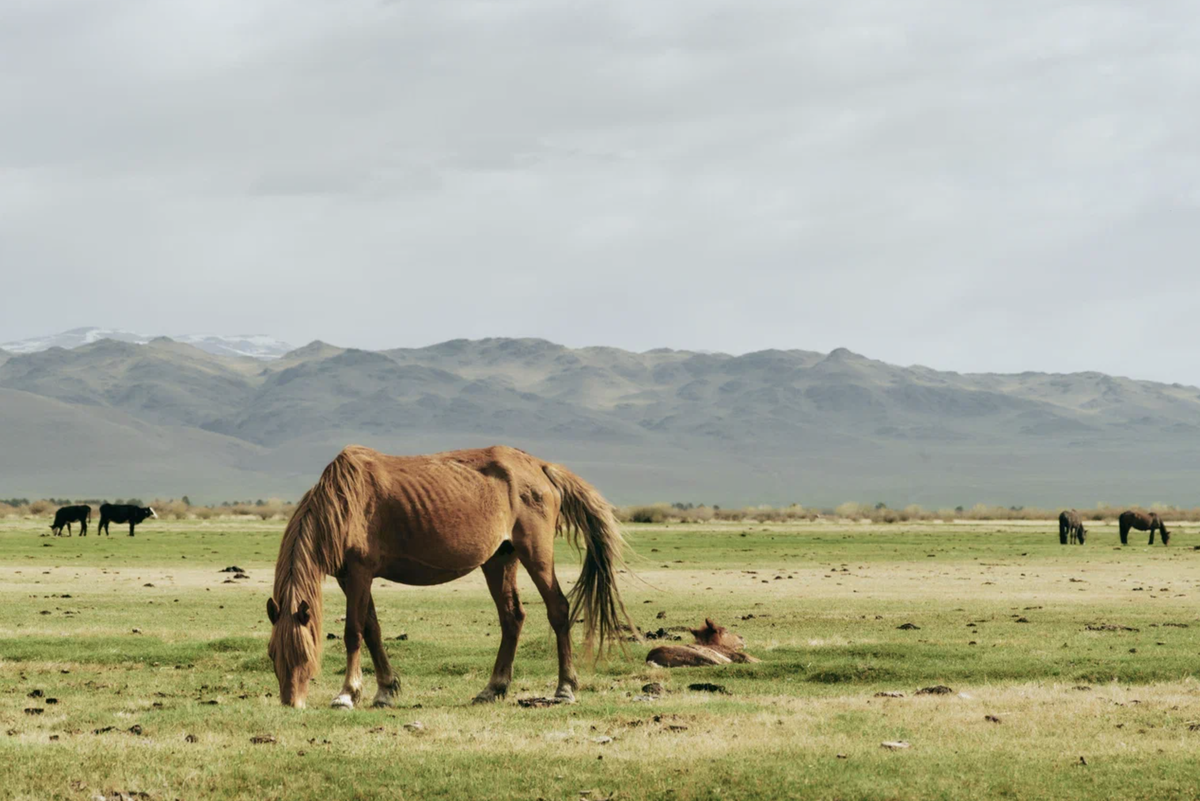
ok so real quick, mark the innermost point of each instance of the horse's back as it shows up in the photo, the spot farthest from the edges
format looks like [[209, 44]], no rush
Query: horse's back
[[453, 509], [1135, 518], [463, 475]]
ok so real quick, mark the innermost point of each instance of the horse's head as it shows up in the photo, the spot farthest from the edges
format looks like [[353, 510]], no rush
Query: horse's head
[[718, 637], [295, 649]]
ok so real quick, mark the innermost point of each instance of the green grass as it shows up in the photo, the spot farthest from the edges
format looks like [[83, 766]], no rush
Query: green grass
[[822, 605]]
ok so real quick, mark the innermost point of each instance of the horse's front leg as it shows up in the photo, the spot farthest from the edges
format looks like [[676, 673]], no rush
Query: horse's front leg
[[357, 587], [389, 685]]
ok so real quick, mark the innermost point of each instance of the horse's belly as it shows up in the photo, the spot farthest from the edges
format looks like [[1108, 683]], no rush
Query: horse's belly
[[448, 549], [407, 571]]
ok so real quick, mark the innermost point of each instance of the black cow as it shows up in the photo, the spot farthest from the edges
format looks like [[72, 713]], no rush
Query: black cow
[[123, 513], [67, 515]]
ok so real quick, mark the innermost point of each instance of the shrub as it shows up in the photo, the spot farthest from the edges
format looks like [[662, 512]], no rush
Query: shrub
[[656, 513], [854, 511], [697, 514], [170, 509]]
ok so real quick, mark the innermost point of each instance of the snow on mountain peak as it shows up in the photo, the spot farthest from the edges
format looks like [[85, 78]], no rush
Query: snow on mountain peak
[[256, 346]]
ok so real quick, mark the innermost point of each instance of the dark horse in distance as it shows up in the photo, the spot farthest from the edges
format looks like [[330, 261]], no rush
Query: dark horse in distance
[[1142, 521], [122, 513], [425, 520], [67, 515], [1070, 528]]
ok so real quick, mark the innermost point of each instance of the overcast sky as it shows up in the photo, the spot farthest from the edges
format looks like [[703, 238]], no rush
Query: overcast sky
[[984, 185]]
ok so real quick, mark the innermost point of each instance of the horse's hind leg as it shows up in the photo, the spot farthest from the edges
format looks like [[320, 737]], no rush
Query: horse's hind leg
[[539, 562], [501, 574], [357, 586], [389, 685]]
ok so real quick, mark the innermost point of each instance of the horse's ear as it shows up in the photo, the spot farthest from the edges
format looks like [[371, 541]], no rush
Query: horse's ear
[[302, 616], [272, 611], [711, 626]]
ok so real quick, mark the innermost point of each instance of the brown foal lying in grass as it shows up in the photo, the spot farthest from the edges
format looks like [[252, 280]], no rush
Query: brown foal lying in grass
[[715, 645]]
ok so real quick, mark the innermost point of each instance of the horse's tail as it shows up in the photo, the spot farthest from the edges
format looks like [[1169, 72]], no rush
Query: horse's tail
[[1063, 527], [585, 514]]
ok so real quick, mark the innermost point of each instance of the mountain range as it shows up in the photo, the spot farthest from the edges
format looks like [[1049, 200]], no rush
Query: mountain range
[[160, 417]]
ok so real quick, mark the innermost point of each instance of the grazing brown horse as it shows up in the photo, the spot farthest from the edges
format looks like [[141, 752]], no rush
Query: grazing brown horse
[[715, 645], [1070, 525], [426, 520], [1142, 521]]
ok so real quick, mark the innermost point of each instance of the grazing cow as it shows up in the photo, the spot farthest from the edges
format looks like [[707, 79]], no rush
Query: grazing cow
[[1142, 521], [67, 515], [715, 645], [123, 513], [1070, 526]]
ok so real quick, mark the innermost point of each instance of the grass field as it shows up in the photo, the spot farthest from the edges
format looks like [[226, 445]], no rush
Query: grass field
[[142, 641]]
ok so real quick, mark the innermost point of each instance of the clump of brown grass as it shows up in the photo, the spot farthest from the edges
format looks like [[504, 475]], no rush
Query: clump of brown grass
[[679, 513], [878, 513], [168, 508]]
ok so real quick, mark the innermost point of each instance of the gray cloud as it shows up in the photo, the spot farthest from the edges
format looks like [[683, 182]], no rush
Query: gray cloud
[[997, 185]]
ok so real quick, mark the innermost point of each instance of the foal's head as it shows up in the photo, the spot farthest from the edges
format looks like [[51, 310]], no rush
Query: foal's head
[[718, 637], [295, 650]]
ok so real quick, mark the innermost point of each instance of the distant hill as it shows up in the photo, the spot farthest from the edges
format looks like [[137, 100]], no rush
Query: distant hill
[[169, 418]]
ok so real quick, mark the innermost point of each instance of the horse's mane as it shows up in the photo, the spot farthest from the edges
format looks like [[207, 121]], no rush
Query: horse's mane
[[328, 518]]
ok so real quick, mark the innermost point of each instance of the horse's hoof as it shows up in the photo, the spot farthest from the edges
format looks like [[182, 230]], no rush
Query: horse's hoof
[[564, 696], [343, 701], [490, 695]]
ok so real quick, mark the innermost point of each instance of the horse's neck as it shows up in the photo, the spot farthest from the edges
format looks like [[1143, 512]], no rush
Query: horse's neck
[[302, 569]]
